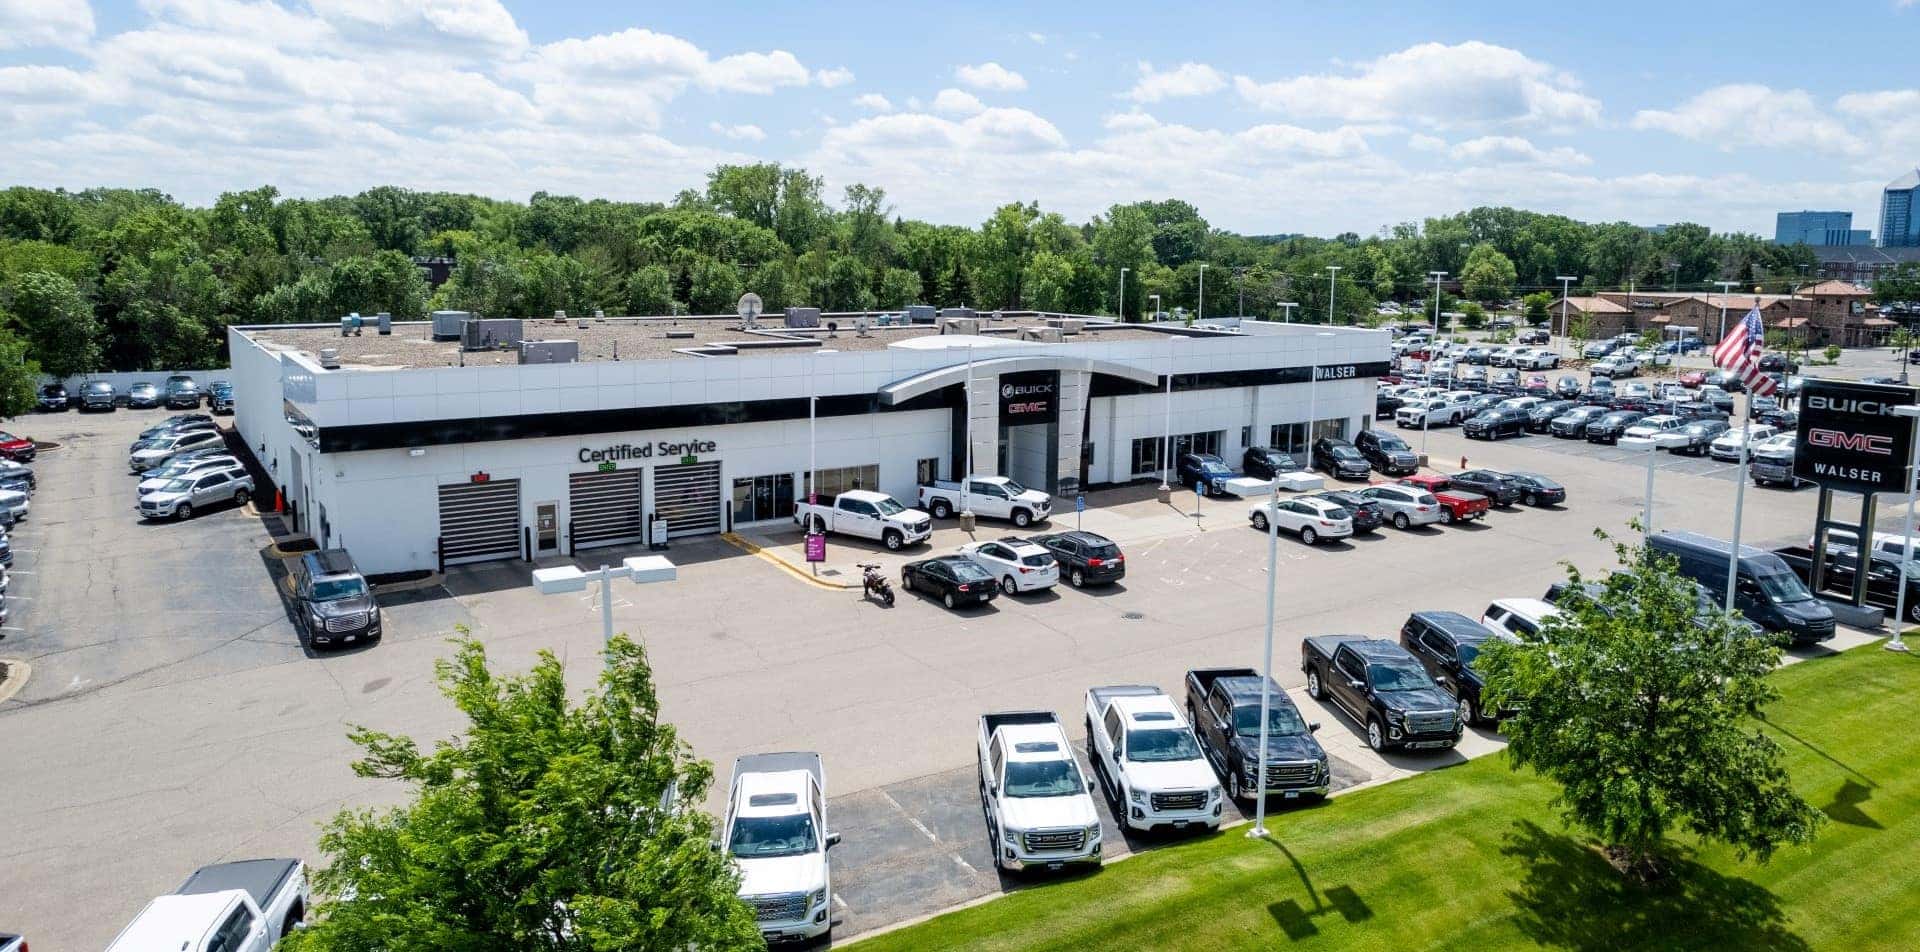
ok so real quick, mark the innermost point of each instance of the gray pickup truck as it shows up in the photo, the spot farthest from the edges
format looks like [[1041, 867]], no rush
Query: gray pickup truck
[[1383, 688], [1224, 706]]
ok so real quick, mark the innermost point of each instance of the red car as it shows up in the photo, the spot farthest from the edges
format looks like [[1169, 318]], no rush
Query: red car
[[15, 448], [1456, 505], [1692, 379]]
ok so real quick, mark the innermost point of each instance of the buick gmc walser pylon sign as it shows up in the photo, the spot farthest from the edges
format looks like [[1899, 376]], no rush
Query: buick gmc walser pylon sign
[[1850, 438]]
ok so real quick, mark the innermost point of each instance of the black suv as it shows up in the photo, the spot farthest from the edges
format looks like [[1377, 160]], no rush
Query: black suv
[[1494, 423], [1205, 472], [1446, 643], [220, 397], [1568, 386], [1085, 558], [1367, 514], [1572, 425], [1779, 363], [1697, 436], [1265, 462], [1339, 459], [1608, 428], [335, 604], [97, 395], [53, 398], [1541, 417], [182, 393], [1388, 453], [1501, 489]]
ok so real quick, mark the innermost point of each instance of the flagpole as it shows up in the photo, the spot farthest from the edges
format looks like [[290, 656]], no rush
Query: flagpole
[[1740, 502]]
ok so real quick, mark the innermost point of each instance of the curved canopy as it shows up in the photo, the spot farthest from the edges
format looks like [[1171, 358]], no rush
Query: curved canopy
[[901, 391]]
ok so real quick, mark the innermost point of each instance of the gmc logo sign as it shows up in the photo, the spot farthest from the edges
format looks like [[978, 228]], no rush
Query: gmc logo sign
[[1857, 442]]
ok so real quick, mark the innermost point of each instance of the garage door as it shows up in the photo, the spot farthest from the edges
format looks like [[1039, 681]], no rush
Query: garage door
[[688, 497], [480, 521], [604, 508]]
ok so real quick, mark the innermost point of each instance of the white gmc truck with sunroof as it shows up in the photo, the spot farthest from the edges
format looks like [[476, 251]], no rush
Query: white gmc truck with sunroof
[[1038, 803], [776, 832]]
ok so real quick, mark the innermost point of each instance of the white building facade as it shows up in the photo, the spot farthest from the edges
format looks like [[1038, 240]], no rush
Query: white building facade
[[420, 467]]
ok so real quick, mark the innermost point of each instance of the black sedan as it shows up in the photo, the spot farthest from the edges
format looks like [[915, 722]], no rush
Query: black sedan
[[953, 579], [1086, 558], [1265, 462], [1538, 490], [1694, 438], [1367, 514], [1499, 488], [1608, 428], [1540, 418], [1495, 423]]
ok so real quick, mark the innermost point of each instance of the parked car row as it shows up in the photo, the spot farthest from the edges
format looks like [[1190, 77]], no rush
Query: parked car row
[[1417, 500], [983, 571], [184, 467], [177, 392]]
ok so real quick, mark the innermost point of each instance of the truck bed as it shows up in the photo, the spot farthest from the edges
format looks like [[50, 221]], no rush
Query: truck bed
[[993, 722], [1100, 696], [1202, 679], [1325, 645], [261, 878], [781, 763]]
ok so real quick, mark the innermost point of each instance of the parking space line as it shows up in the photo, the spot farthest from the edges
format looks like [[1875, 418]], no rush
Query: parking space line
[[965, 865], [884, 795]]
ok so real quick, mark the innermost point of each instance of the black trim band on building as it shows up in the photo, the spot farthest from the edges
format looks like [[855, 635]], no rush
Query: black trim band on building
[[533, 426]]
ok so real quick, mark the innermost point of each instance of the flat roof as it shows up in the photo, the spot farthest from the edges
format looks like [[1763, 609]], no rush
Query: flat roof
[[654, 338]]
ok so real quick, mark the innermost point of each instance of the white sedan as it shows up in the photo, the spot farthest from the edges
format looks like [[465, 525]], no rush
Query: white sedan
[[1309, 518], [1727, 445], [1020, 566]]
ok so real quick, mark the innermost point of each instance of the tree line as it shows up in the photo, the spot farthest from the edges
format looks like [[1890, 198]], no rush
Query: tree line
[[130, 279]]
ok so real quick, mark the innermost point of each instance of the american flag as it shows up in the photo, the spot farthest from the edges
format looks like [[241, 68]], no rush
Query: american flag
[[1740, 353]]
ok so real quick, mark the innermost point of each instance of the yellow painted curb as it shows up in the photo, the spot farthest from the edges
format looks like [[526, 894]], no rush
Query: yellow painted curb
[[17, 674], [743, 545]]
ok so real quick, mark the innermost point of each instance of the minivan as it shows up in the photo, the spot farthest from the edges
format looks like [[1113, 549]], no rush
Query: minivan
[[1765, 589]]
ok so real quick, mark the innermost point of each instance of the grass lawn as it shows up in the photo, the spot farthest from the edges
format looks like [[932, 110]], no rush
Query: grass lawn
[[1473, 857]]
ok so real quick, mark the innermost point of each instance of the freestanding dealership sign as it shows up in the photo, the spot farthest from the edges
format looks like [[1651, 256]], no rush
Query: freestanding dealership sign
[[1850, 438]]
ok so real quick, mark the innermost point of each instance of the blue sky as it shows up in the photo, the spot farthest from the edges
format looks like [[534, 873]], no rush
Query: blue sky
[[1270, 117]]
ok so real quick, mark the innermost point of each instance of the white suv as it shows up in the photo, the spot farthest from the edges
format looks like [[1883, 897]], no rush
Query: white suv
[[1310, 518], [1523, 618], [1019, 565]]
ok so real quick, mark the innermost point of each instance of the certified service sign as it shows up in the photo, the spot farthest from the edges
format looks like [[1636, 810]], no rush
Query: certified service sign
[[1850, 438]]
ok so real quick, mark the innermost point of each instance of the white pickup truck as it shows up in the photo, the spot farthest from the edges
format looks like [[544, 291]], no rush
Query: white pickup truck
[[232, 907], [995, 497], [869, 515], [1147, 761], [1039, 806], [776, 832]]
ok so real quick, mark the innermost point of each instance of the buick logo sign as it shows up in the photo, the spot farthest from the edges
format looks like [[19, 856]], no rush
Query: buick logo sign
[[1006, 391]]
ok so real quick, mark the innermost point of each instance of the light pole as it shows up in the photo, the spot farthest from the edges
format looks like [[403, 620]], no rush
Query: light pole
[[1333, 271], [1240, 287], [1911, 412], [1166, 440], [1122, 314], [1203, 293], [568, 578], [966, 506], [1155, 298], [1286, 311], [1266, 667], [1653, 444], [1566, 286], [813, 469], [1726, 288], [1313, 392]]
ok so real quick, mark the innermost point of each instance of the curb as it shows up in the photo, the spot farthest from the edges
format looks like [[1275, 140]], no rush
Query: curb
[[17, 674], [277, 552], [735, 540], [429, 582]]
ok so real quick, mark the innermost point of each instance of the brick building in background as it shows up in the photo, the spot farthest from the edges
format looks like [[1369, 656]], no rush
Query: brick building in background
[[1830, 312]]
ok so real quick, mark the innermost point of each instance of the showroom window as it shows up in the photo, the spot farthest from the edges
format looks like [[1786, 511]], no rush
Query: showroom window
[[759, 498], [835, 481], [1146, 451], [926, 471], [1146, 457], [1292, 437]]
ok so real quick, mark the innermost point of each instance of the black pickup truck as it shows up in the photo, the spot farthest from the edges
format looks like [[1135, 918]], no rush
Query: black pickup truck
[[1223, 705], [1383, 688], [1884, 577]]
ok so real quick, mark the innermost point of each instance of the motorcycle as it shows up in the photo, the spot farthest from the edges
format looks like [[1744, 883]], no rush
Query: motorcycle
[[875, 585]]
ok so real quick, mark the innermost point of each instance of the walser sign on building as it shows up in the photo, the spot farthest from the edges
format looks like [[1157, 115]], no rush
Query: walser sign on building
[[1850, 438]]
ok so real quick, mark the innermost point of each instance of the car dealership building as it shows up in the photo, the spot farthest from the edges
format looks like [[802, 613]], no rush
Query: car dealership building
[[521, 439]]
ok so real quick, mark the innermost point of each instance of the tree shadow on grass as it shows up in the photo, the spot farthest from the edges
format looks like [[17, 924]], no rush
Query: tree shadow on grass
[[1572, 898]]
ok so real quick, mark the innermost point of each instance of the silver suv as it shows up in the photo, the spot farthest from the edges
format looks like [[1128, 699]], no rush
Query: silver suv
[[178, 498]]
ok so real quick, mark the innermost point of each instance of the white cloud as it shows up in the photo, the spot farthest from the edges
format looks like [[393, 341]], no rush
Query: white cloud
[[874, 102], [1433, 84], [1750, 114], [484, 23], [957, 102], [1511, 150], [643, 56], [30, 23], [991, 76], [1040, 38], [833, 78], [1187, 79], [745, 132], [1426, 143]]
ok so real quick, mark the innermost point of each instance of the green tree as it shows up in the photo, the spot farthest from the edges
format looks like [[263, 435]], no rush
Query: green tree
[[713, 287], [547, 825], [650, 291], [19, 376], [1900, 284], [1539, 307], [1473, 316], [1643, 711], [899, 287], [1488, 275], [58, 323]]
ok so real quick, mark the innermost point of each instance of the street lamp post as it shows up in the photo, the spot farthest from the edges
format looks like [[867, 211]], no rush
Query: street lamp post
[[1652, 445], [1266, 667], [813, 470], [1166, 440], [1313, 393], [1122, 314], [1426, 418], [1333, 271], [1906, 546], [1566, 286], [569, 578], [1155, 298], [1726, 288], [1203, 293], [1286, 311], [966, 506]]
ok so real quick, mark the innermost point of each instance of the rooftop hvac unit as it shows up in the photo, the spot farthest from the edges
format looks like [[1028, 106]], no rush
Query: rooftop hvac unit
[[448, 325], [922, 314], [803, 317], [861, 323], [491, 333], [1069, 326], [560, 317], [549, 351], [960, 325], [1045, 335], [958, 313], [385, 320], [350, 325], [330, 358]]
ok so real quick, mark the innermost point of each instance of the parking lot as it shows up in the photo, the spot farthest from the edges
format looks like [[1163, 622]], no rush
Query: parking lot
[[174, 718]]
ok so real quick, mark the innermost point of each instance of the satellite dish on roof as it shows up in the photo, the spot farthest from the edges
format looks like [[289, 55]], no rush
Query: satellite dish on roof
[[749, 306]]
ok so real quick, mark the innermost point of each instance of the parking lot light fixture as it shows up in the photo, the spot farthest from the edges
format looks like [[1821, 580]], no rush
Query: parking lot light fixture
[[1203, 293], [1651, 445], [1313, 389], [1166, 442], [641, 570], [1121, 315], [1906, 546], [1566, 288], [1266, 668]]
